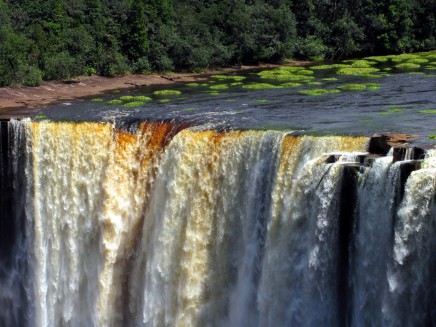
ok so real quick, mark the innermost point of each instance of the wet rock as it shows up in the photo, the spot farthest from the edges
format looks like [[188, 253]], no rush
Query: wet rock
[[382, 143]]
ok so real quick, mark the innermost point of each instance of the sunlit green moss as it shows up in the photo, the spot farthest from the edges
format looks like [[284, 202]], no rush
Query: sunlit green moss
[[353, 87], [219, 87], [291, 84], [236, 83], [141, 98], [362, 64], [115, 101], [261, 101], [322, 67], [418, 61], [367, 72], [165, 100], [126, 98], [407, 65], [319, 91], [372, 86], [134, 104], [187, 109], [378, 58], [97, 100], [304, 72], [167, 92], [291, 69], [214, 93], [260, 86], [39, 117], [415, 73], [430, 67], [116, 91], [428, 111], [193, 84], [396, 110], [314, 83], [432, 137], [229, 77], [289, 77], [330, 79]]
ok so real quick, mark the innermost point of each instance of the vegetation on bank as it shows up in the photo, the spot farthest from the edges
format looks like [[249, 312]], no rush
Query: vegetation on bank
[[55, 39]]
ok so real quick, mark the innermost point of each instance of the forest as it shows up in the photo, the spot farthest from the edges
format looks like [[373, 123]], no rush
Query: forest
[[60, 39]]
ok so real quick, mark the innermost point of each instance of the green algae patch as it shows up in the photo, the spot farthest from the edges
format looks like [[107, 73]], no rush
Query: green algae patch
[[314, 83], [219, 87], [332, 66], [416, 73], [330, 79], [261, 86], [378, 59], [261, 101], [362, 64], [167, 92], [372, 86], [236, 83], [126, 98], [432, 137], [353, 87], [291, 84], [428, 111], [288, 77], [115, 101], [165, 100], [192, 84], [141, 98], [214, 93], [418, 61], [187, 109], [304, 72], [317, 92], [39, 117], [396, 110], [229, 77], [97, 100], [365, 72], [407, 65], [134, 104]]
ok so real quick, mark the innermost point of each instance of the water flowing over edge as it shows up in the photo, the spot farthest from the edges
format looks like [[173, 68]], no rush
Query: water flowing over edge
[[163, 225]]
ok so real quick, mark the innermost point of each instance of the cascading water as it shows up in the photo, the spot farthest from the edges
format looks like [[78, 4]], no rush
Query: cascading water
[[159, 225]]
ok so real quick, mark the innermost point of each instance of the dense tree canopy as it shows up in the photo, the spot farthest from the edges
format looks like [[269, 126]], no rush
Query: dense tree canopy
[[59, 39]]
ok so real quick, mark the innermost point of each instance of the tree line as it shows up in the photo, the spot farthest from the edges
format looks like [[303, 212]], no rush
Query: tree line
[[60, 39]]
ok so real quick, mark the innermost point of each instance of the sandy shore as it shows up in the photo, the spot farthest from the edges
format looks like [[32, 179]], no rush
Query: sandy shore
[[19, 101]]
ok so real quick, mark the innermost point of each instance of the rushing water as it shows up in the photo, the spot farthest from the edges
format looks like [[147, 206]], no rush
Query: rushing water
[[159, 224]]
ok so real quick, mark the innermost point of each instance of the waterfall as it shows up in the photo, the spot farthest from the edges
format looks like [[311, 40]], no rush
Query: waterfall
[[158, 224]]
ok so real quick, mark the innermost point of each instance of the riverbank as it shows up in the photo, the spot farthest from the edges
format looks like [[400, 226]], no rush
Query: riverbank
[[21, 100]]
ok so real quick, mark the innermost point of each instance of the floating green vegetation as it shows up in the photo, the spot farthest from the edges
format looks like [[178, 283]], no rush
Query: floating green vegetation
[[365, 121], [261, 101], [314, 83], [115, 101], [407, 65], [407, 56], [362, 64], [415, 73], [203, 84], [115, 91], [353, 87], [291, 84], [236, 83], [187, 109], [322, 67], [366, 72], [372, 86], [229, 77], [304, 72], [319, 91], [388, 69], [430, 56], [432, 137], [97, 100], [330, 79], [396, 110], [126, 98], [378, 58], [167, 92], [134, 104], [164, 100], [260, 86], [289, 77], [291, 69], [192, 84], [141, 98], [40, 117], [214, 93], [430, 67], [428, 111], [219, 87], [418, 61]]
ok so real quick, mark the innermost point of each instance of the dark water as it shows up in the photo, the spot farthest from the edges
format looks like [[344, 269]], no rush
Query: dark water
[[394, 108]]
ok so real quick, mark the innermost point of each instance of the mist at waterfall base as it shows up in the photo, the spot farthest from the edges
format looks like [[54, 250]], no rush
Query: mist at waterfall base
[[159, 224]]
